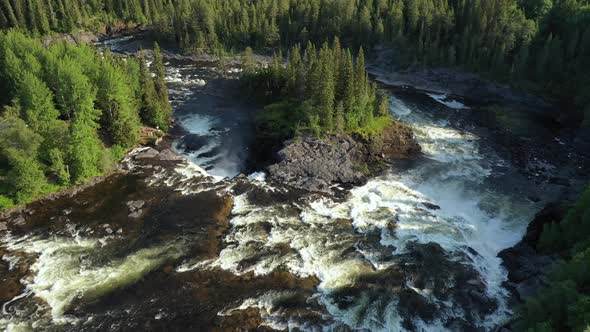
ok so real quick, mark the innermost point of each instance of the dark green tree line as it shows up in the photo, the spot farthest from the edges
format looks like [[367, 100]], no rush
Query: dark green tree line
[[541, 41]]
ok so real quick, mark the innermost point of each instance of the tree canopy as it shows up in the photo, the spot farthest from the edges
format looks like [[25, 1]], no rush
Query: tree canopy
[[68, 112], [545, 42], [321, 90]]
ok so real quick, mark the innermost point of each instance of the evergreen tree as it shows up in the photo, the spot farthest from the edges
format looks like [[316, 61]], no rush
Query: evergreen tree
[[19, 146], [115, 100], [151, 112], [164, 114], [58, 103]]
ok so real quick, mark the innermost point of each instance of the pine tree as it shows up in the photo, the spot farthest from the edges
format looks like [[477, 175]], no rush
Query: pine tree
[[248, 62], [114, 99], [347, 92], [383, 105], [326, 95], [164, 110], [150, 108], [339, 122], [360, 75]]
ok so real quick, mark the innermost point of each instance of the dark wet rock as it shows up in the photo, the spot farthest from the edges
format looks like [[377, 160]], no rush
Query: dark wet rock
[[431, 206], [453, 83], [414, 304], [448, 277], [148, 153], [396, 142], [169, 155], [211, 153], [427, 281], [534, 199], [458, 324], [527, 265], [136, 214], [315, 165], [135, 207], [18, 221], [559, 181], [552, 212], [194, 142]]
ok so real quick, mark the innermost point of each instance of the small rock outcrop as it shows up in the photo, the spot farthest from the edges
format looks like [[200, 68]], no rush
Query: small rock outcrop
[[527, 265], [316, 164]]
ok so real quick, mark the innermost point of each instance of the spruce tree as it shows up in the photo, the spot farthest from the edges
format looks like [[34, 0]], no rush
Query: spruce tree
[[164, 108], [150, 107]]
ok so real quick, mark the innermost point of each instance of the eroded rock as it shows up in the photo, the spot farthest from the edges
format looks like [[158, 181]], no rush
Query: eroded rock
[[315, 165], [147, 154]]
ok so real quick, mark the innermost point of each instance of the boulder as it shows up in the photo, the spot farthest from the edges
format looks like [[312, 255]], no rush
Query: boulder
[[169, 155], [148, 153], [313, 164], [317, 164]]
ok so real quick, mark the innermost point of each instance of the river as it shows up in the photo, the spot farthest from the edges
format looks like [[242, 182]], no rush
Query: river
[[413, 249]]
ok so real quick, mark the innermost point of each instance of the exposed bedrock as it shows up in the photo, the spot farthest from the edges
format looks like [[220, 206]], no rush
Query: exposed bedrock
[[316, 164]]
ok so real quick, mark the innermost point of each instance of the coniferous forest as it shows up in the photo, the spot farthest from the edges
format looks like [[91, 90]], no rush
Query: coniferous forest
[[70, 112], [323, 90], [542, 45]]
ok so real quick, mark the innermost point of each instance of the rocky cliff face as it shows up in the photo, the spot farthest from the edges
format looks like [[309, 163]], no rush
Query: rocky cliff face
[[527, 265], [313, 164]]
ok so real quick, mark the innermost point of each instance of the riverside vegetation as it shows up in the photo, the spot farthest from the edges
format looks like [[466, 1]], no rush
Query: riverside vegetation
[[69, 112], [324, 92], [68, 104], [542, 45]]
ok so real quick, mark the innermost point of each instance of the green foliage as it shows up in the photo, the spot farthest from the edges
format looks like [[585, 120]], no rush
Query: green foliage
[[115, 98], [155, 109], [573, 230], [19, 145], [565, 304], [5, 202], [325, 92], [62, 107]]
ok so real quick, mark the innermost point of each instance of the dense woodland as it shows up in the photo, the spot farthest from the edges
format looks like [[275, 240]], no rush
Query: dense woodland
[[521, 41], [565, 304], [319, 90], [69, 112]]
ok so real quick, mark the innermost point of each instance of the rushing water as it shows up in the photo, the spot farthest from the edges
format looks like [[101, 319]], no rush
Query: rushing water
[[413, 249]]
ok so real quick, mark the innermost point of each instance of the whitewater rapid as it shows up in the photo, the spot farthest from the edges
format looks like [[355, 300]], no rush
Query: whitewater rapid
[[468, 219], [356, 247]]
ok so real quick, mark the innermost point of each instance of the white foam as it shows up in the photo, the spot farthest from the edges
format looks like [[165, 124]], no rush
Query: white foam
[[445, 100], [440, 200], [257, 176], [197, 124], [64, 273], [176, 76], [398, 107]]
